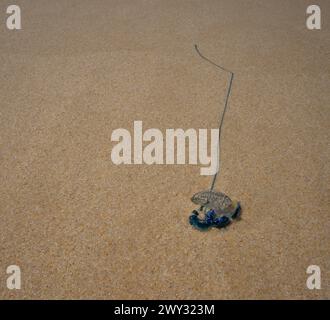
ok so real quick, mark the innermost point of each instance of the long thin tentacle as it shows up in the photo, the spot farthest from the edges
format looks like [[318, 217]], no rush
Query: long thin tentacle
[[223, 112]]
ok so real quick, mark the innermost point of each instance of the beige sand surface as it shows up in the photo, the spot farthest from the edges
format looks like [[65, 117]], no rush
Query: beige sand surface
[[81, 227]]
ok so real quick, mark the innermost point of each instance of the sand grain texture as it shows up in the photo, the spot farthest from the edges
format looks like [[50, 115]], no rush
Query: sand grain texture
[[81, 227]]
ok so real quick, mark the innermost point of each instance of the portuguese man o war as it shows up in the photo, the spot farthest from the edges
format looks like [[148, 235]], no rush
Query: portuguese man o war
[[217, 209]]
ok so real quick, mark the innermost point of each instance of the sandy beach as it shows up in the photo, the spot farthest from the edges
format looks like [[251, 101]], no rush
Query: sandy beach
[[81, 227]]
